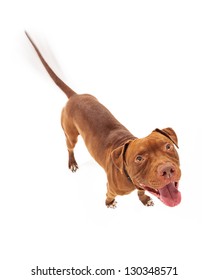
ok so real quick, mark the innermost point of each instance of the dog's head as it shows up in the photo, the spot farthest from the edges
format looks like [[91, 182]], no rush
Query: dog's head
[[152, 163]]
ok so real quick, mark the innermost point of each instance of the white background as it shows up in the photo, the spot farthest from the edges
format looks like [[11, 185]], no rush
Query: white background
[[147, 61]]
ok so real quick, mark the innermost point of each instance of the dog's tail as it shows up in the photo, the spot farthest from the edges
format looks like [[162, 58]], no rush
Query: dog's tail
[[66, 89]]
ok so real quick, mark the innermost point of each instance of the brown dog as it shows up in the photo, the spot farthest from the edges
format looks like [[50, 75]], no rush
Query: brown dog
[[148, 164]]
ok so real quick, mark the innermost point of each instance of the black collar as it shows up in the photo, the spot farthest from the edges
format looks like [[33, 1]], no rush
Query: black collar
[[127, 175], [124, 159]]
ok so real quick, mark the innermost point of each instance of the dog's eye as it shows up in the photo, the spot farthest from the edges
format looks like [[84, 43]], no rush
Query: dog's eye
[[139, 158], [168, 146]]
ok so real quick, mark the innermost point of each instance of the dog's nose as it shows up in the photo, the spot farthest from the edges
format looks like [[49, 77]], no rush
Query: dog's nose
[[166, 170]]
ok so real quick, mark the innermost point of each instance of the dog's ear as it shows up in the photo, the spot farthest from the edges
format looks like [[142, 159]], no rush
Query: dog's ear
[[118, 156], [170, 133]]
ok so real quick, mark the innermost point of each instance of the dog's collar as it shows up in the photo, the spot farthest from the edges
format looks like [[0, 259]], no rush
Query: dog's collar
[[127, 175], [130, 180], [124, 159]]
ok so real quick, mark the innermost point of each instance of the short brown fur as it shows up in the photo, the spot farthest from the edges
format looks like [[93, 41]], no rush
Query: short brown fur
[[130, 163]]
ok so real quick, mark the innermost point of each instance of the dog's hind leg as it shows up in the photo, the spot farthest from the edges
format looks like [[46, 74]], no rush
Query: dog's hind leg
[[72, 164], [71, 134]]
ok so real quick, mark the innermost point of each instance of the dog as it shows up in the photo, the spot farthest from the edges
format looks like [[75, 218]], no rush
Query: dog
[[147, 164]]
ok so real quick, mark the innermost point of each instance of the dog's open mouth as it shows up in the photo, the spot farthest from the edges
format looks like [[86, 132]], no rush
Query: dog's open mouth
[[168, 194]]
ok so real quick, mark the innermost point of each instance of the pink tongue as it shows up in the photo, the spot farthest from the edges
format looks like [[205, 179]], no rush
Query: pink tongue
[[170, 195]]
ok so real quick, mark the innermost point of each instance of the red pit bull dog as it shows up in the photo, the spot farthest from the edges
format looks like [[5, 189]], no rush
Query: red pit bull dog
[[146, 164]]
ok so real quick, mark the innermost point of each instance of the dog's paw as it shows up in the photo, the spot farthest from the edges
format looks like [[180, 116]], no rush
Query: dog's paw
[[149, 203], [113, 205], [73, 167], [146, 200]]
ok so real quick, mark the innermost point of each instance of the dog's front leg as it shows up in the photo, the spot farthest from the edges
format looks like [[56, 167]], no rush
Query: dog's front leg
[[145, 199], [110, 201]]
